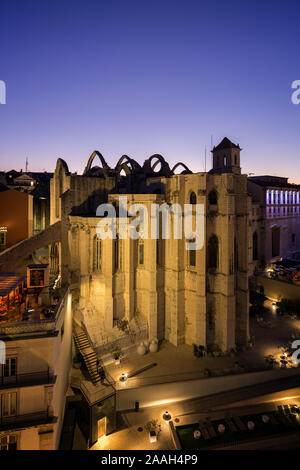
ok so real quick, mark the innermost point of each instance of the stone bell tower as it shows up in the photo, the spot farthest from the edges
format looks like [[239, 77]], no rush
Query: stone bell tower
[[226, 157]]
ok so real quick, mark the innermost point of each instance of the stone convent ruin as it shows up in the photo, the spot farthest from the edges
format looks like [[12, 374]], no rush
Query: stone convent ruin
[[163, 290]]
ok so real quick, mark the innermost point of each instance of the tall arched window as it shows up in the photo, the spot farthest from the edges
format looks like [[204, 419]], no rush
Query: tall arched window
[[213, 252], [213, 198], [192, 257], [193, 198], [97, 264], [254, 247]]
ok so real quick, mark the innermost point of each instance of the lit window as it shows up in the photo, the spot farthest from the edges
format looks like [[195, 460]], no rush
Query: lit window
[[3, 232], [2, 238]]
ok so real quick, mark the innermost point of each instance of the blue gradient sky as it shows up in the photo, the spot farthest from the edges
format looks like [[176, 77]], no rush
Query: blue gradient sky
[[141, 77]]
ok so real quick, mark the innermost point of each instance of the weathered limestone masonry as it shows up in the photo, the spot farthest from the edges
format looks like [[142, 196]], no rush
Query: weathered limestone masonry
[[184, 297]]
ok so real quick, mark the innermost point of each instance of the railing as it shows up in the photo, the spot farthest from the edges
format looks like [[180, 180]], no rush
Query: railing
[[109, 378], [32, 326], [36, 325], [91, 393], [25, 420], [23, 380]]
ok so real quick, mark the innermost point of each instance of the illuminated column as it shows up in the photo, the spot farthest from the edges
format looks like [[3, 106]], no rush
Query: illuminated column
[[150, 258], [83, 234], [128, 267], [108, 267]]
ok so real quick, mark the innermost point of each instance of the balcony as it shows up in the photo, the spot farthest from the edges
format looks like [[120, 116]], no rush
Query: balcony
[[25, 380], [12, 326], [25, 420]]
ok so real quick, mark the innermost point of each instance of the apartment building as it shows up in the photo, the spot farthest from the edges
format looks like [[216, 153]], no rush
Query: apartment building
[[34, 376]]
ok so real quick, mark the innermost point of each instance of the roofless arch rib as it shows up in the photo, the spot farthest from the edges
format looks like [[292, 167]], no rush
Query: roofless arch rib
[[129, 165], [149, 167], [185, 171], [91, 159]]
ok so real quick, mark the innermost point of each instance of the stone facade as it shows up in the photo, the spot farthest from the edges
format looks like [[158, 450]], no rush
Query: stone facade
[[201, 300]]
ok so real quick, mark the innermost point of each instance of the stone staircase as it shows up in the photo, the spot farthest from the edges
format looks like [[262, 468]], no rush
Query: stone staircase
[[89, 356]]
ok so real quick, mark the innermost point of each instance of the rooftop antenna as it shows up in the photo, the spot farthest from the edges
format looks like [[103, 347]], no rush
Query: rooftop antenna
[[26, 165], [211, 147], [205, 160]]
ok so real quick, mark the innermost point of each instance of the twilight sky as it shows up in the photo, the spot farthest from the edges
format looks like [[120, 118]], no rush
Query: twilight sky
[[144, 77]]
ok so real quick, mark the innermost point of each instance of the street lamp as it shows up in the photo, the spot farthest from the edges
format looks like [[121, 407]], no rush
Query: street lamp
[[166, 416]]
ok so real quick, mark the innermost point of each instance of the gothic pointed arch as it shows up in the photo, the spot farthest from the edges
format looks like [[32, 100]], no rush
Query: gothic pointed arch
[[185, 171], [61, 166], [124, 167], [129, 162], [213, 197], [149, 166]]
